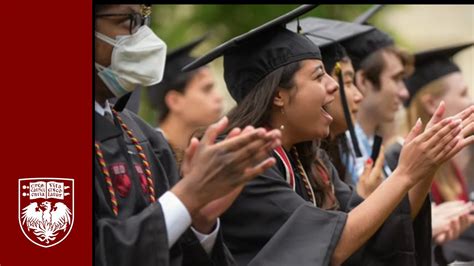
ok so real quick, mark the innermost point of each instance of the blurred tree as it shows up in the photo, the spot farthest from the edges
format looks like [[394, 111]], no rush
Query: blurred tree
[[179, 24]]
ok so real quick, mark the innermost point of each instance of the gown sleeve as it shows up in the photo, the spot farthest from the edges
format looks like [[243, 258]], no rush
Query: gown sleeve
[[399, 241], [193, 252], [269, 224], [139, 235], [138, 240]]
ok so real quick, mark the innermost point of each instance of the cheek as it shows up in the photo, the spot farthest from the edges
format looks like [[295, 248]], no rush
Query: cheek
[[205, 104], [388, 94], [103, 53], [302, 108], [351, 97], [455, 104], [336, 111]]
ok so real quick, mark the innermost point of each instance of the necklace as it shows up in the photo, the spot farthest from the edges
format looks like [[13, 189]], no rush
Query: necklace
[[141, 155]]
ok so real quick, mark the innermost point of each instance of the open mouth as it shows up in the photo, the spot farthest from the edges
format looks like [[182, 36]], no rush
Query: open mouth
[[324, 110]]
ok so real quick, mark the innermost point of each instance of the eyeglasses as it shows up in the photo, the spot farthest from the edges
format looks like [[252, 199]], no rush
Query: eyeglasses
[[136, 20]]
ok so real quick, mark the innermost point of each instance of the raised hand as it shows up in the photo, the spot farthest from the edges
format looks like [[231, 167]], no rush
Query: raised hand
[[371, 177], [213, 170], [450, 219], [467, 121], [205, 219], [423, 152]]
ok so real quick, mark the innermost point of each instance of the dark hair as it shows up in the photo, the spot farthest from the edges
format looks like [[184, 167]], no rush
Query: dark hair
[[336, 149], [255, 110], [157, 93], [374, 64], [339, 145]]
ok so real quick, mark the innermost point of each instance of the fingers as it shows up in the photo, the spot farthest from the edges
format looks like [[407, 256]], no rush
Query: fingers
[[463, 115], [442, 144], [245, 139], [468, 141], [367, 169], [464, 223], [189, 154], [455, 146], [468, 128], [214, 130], [456, 228], [253, 154], [448, 205], [440, 239], [377, 170], [438, 115], [433, 135], [252, 172], [414, 132], [440, 229], [471, 219], [240, 141], [443, 141], [233, 133], [248, 129]]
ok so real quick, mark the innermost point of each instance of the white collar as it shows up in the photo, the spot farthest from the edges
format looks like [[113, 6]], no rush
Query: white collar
[[161, 131], [101, 110]]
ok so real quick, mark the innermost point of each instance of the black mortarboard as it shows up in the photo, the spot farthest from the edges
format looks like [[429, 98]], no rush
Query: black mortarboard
[[360, 47], [173, 75], [327, 34], [248, 58], [431, 65], [364, 17]]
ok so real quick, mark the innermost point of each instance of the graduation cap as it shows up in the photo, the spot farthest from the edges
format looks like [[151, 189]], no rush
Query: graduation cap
[[360, 47], [327, 34], [173, 75], [249, 57], [364, 17], [431, 65]]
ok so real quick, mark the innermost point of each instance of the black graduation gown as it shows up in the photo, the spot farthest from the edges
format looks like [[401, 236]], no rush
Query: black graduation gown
[[270, 224], [138, 235], [460, 249]]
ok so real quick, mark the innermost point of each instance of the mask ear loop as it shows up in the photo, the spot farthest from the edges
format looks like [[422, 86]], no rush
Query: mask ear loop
[[105, 38]]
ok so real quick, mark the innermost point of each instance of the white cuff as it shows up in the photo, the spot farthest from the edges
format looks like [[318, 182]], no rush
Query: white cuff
[[177, 217], [208, 241]]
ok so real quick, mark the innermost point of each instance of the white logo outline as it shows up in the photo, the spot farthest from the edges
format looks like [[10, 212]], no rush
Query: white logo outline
[[20, 209]]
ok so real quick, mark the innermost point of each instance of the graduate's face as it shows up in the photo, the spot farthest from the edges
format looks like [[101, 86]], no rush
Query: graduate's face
[[387, 99], [111, 27], [456, 96], [305, 113], [201, 103], [353, 96]]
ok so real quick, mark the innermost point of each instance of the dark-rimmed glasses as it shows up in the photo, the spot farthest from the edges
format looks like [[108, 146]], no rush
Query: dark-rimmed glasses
[[136, 20]]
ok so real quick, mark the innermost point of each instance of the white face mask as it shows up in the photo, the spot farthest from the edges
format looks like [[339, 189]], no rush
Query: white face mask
[[137, 60]]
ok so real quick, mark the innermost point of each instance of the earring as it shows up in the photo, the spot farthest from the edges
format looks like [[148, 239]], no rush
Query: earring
[[282, 127]]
